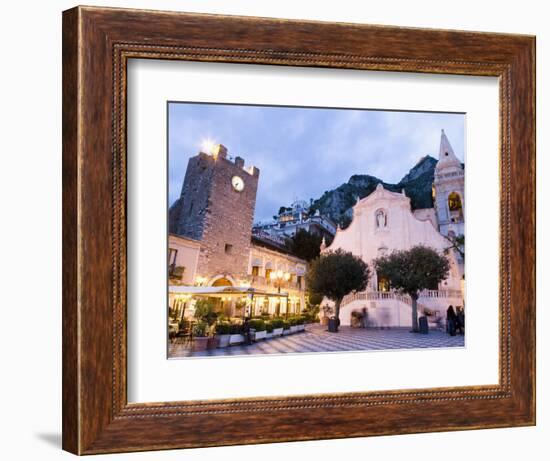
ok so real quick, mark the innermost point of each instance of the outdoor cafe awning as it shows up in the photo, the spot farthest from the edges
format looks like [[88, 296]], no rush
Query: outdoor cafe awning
[[222, 291]]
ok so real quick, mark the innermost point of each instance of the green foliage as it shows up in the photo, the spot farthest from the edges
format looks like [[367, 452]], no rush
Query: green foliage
[[314, 299], [286, 325], [283, 209], [292, 321], [223, 328], [200, 329], [204, 310], [417, 184], [236, 328], [269, 327], [295, 320], [410, 271], [304, 245], [176, 273], [456, 243], [301, 320], [277, 323], [345, 221], [337, 273], [257, 324], [240, 305], [311, 314]]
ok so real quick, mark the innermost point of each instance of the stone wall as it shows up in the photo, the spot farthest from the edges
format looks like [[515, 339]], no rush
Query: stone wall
[[187, 215], [211, 211], [228, 222]]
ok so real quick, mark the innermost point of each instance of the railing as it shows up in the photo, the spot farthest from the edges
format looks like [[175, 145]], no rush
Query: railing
[[440, 294], [261, 234], [382, 295], [377, 295], [434, 316]]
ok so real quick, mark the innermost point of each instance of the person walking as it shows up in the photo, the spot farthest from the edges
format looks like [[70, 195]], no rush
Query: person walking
[[451, 321], [460, 319]]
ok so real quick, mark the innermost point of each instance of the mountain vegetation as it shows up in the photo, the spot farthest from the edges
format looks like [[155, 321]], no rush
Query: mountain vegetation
[[417, 183]]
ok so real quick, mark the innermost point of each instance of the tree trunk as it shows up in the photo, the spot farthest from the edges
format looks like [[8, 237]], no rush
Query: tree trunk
[[415, 328], [337, 312]]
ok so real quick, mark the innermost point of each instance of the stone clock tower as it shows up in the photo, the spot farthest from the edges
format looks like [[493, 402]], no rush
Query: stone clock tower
[[216, 207]]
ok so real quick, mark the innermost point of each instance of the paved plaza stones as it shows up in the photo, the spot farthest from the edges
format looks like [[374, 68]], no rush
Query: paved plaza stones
[[317, 339]]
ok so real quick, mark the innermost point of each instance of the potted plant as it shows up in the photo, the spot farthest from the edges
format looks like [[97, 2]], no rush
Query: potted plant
[[286, 327], [175, 273], [212, 342], [301, 323], [268, 330], [223, 333], [293, 321], [235, 333], [205, 311], [200, 336], [277, 325], [257, 329]]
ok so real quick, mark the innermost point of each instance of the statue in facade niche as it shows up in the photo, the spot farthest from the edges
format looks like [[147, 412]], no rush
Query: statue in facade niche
[[380, 219]]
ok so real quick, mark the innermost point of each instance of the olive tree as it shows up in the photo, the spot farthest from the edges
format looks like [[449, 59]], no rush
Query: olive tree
[[410, 271], [335, 274]]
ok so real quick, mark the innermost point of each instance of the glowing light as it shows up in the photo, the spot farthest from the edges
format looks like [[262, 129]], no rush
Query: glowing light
[[208, 146], [200, 280]]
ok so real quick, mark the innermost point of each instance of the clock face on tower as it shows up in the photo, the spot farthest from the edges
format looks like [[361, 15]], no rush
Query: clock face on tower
[[237, 183]]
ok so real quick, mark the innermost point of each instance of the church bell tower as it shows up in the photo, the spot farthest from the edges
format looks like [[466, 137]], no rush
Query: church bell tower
[[449, 190]]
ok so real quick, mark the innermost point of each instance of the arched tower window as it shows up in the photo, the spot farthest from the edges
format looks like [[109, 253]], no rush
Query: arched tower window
[[455, 207], [455, 203]]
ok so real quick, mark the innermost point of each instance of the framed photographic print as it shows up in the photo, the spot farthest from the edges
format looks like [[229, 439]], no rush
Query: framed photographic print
[[283, 230]]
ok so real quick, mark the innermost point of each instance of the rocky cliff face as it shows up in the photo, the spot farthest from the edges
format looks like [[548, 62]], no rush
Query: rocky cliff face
[[417, 183]]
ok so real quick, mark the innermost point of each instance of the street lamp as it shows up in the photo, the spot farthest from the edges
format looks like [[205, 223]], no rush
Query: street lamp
[[277, 277]]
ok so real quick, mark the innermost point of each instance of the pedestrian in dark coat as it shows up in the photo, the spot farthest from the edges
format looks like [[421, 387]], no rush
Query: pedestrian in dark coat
[[451, 321], [460, 319]]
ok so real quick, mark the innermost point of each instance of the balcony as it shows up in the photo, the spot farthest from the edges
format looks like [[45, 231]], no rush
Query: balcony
[[175, 273]]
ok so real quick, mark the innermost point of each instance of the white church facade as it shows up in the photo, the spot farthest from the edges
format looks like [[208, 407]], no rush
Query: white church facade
[[384, 222]]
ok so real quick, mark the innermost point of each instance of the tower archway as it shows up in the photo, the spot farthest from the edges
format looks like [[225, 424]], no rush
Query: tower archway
[[222, 280], [454, 202]]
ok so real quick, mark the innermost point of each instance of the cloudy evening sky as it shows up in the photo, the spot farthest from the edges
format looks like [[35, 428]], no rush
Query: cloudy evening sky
[[302, 152]]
